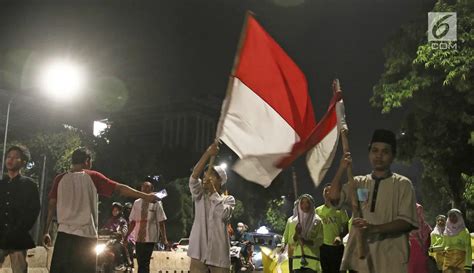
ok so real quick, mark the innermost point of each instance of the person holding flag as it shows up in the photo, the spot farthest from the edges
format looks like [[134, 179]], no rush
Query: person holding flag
[[304, 236], [387, 207], [209, 244]]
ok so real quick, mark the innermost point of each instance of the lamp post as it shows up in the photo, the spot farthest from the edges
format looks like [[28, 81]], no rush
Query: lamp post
[[6, 132], [60, 79]]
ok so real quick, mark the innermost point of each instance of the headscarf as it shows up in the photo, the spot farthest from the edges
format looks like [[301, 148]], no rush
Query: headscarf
[[307, 220], [439, 230], [422, 234], [451, 228]]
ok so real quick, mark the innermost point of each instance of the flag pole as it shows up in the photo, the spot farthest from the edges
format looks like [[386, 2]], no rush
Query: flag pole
[[295, 184], [295, 188], [356, 209], [226, 102]]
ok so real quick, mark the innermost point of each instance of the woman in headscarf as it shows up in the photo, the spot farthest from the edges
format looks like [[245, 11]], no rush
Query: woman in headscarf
[[457, 244], [437, 247], [419, 244], [304, 235]]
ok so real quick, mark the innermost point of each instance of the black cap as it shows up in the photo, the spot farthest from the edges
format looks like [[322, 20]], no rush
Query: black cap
[[385, 136]]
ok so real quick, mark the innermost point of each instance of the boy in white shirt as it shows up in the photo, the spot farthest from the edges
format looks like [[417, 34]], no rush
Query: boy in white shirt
[[209, 242]]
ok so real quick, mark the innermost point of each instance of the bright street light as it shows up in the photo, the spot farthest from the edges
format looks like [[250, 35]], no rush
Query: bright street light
[[223, 165], [62, 79]]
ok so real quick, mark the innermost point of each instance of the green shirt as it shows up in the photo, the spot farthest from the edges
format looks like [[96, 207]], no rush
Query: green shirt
[[436, 242], [334, 221], [311, 251], [461, 241]]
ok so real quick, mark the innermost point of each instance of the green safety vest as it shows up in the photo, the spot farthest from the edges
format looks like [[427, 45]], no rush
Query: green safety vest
[[311, 253]]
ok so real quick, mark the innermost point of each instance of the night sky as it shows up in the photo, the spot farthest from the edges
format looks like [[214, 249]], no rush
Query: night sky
[[186, 48]]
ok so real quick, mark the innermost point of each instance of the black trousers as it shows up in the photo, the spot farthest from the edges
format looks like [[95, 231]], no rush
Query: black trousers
[[73, 254], [331, 257], [144, 251]]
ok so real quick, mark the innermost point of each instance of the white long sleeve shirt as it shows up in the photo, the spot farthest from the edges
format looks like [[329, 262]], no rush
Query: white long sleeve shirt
[[149, 220], [209, 240]]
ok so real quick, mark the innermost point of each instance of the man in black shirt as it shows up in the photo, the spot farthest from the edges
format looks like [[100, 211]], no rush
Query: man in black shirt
[[19, 208]]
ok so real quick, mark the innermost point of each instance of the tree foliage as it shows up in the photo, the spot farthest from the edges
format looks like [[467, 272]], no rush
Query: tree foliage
[[276, 216], [178, 208], [437, 86]]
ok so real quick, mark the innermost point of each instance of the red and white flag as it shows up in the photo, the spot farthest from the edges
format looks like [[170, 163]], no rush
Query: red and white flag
[[321, 145], [268, 109]]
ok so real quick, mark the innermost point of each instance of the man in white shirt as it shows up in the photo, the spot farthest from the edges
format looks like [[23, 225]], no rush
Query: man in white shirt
[[209, 241], [147, 221], [74, 199]]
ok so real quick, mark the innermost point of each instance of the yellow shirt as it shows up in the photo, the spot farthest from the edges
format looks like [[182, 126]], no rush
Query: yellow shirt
[[334, 221]]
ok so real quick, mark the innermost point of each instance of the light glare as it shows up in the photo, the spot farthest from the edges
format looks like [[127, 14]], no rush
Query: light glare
[[62, 80], [99, 127], [99, 249]]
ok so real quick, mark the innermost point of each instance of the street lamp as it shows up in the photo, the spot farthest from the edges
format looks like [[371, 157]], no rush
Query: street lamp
[[6, 133], [60, 79]]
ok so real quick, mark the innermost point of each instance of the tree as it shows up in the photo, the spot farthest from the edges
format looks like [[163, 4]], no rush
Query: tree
[[438, 86], [178, 208], [57, 146], [276, 215], [239, 212]]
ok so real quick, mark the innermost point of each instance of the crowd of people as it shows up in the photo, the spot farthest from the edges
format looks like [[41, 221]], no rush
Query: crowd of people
[[388, 234]]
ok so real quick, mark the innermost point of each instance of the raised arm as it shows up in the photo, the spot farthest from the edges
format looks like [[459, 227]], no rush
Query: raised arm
[[199, 168], [336, 183]]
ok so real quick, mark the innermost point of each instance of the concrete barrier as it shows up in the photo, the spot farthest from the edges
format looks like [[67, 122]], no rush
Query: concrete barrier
[[170, 262], [39, 260]]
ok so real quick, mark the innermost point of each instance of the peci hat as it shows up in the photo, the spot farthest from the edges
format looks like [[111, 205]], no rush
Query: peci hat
[[385, 136]]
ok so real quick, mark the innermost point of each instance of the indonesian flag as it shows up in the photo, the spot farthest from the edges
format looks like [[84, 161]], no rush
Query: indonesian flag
[[321, 145], [268, 109]]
